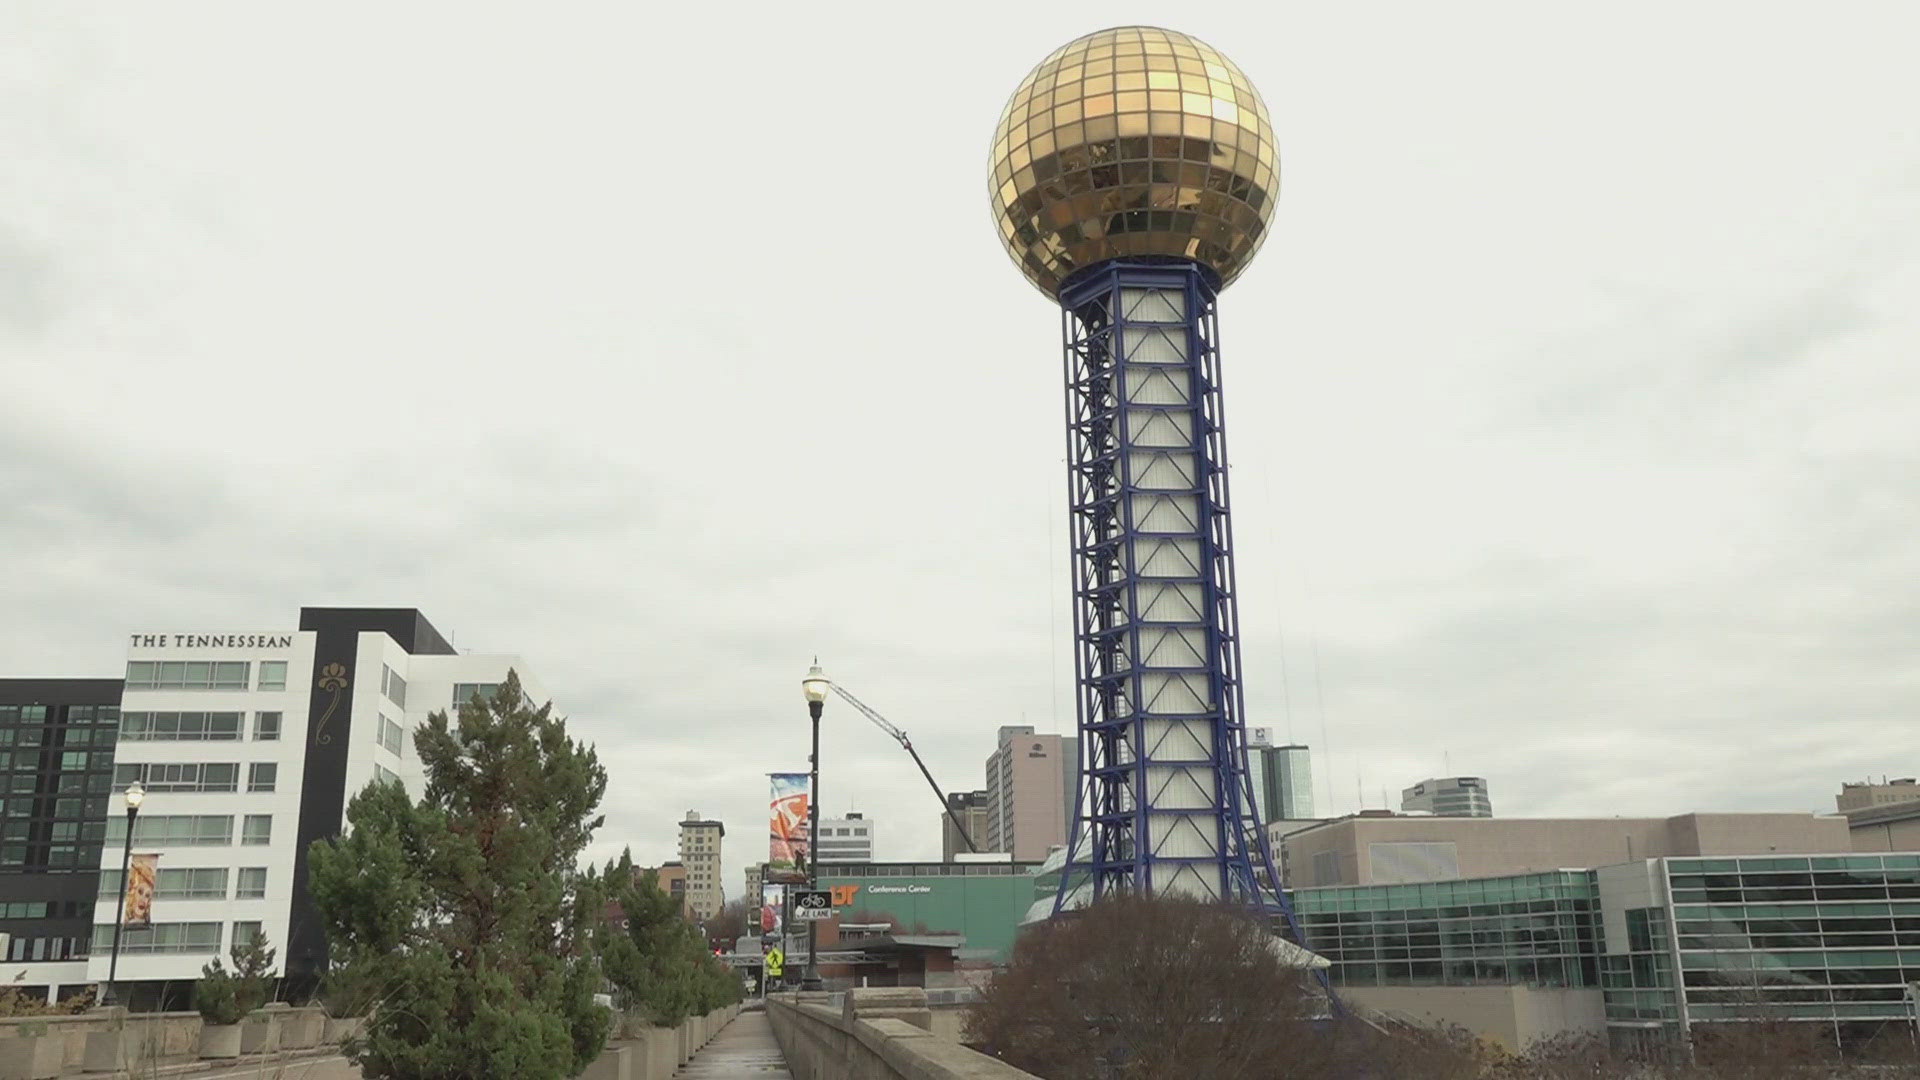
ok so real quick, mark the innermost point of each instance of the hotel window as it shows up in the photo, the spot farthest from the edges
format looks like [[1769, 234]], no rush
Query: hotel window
[[266, 726], [388, 735], [262, 775], [257, 829], [464, 692], [200, 776], [193, 937], [273, 675], [180, 727], [245, 933], [392, 685], [187, 674], [183, 829], [385, 775], [195, 883], [252, 884]]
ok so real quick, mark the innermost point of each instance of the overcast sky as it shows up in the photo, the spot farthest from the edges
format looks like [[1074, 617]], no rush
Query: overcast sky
[[1573, 403]]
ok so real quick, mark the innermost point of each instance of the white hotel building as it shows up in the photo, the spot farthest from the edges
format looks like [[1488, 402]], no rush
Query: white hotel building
[[249, 746]]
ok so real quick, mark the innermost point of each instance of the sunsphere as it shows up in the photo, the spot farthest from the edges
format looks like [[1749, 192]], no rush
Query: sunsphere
[[1134, 174], [1133, 142]]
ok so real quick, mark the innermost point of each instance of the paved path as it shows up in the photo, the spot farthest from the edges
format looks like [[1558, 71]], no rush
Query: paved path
[[743, 1048]]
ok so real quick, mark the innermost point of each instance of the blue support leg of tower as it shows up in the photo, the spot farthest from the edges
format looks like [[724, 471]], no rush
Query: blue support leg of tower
[[1165, 803]]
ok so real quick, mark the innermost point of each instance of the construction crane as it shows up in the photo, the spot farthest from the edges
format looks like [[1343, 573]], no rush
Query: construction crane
[[901, 737]]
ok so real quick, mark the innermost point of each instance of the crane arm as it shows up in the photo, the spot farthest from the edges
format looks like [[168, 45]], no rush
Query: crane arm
[[901, 737]]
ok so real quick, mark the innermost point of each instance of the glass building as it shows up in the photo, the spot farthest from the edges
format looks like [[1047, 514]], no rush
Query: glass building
[[1282, 781], [57, 741], [1823, 937], [1534, 929], [1669, 943]]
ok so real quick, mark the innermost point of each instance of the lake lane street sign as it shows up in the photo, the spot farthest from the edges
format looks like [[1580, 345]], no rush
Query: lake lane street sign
[[812, 905]]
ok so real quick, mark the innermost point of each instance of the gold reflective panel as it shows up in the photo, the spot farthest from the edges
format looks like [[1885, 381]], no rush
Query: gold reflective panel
[[1179, 164]]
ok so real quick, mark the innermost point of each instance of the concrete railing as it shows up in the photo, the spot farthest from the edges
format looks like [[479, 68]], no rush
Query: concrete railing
[[880, 1033], [102, 1039], [638, 1050]]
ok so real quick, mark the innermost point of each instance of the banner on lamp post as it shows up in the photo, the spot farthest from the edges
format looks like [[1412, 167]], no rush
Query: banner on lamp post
[[138, 901], [787, 827], [773, 903]]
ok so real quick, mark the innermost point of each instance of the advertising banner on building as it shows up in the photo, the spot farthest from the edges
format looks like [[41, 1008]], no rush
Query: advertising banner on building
[[139, 899], [787, 833], [773, 903]]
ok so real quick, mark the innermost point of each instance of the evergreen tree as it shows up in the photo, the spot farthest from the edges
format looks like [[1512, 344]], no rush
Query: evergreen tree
[[467, 907], [659, 964]]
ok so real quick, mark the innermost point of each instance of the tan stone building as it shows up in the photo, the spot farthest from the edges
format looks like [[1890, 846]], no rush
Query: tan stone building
[[1378, 848], [671, 876], [1867, 795], [1895, 827], [700, 853], [1029, 789]]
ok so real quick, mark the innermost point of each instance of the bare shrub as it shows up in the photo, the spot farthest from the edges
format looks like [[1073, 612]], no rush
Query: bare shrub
[[1170, 987]]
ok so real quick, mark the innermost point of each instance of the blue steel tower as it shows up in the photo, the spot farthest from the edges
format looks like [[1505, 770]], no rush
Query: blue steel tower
[[1134, 173]]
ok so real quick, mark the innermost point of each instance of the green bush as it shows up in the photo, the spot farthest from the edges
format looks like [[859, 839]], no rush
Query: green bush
[[226, 997]]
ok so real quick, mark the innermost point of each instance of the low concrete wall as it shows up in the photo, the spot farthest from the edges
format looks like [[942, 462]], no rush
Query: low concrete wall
[[882, 1033], [950, 1022], [149, 1036], [638, 1050]]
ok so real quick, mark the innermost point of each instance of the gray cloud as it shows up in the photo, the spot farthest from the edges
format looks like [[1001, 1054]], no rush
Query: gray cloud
[[1577, 447]]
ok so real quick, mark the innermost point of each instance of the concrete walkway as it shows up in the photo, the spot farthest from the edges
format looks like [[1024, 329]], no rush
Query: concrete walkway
[[744, 1047]]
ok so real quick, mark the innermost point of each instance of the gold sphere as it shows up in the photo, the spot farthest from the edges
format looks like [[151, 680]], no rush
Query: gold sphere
[[1133, 142]]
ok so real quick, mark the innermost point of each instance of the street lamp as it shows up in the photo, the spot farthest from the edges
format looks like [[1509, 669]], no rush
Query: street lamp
[[135, 795], [815, 686]]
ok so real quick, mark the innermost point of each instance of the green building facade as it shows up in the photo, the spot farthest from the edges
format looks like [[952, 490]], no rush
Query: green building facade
[[982, 901]]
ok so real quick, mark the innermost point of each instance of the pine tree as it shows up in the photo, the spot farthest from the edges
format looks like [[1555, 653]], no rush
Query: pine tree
[[659, 964], [467, 907]]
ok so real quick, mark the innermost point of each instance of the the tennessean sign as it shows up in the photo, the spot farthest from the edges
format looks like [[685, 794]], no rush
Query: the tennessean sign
[[212, 641]]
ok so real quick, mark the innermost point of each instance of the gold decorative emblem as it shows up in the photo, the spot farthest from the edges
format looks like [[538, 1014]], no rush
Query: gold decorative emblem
[[333, 677]]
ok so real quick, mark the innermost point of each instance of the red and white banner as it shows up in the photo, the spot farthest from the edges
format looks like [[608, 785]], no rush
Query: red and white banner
[[787, 828]]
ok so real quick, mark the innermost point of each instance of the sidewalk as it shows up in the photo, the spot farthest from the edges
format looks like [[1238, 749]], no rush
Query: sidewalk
[[744, 1047], [290, 1065]]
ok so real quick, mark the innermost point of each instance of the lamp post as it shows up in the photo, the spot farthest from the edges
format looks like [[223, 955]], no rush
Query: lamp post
[[135, 795], [815, 686]]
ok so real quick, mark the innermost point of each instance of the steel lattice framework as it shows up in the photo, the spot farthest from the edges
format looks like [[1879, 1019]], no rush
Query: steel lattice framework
[[1165, 804]]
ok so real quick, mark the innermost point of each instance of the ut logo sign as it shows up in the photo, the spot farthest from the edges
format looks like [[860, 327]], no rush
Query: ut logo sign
[[843, 894]]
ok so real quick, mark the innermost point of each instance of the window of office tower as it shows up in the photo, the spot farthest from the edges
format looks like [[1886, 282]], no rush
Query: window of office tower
[[56, 768]]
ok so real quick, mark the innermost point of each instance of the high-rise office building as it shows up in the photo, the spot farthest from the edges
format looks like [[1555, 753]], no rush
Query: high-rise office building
[[971, 808], [1448, 796], [248, 746], [700, 854], [56, 767], [1030, 791], [1281, 776], [846, 839]]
